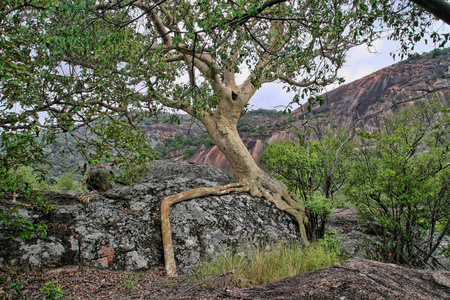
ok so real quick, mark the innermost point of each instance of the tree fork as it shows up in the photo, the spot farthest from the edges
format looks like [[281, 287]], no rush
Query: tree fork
[[166, 203]]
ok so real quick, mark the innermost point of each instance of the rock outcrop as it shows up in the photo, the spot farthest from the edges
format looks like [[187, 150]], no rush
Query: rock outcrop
[[120, 229], [356, 278], [385, 91]]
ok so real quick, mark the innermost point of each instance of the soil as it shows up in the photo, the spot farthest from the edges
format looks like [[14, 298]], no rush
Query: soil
[[87, 283]]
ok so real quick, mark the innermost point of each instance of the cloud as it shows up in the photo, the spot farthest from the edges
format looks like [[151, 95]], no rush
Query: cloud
[[271, 96]]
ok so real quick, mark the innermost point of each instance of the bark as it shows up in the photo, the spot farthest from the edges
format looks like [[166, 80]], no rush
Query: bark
[[223, 130], [260, 184], [439, 8], [221, 125], [169, 258]]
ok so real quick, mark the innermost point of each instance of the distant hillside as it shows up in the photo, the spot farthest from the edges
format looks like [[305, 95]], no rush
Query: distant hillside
[[370, 98]]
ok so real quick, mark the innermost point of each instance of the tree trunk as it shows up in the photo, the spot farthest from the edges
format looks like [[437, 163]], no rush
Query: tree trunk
[[224, 133], [222, 128]]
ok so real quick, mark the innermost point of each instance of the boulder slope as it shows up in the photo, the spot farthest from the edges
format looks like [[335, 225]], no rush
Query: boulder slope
[[120, 229], [356, 278]]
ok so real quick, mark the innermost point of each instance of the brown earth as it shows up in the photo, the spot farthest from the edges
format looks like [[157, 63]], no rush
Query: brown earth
[[353, 279]]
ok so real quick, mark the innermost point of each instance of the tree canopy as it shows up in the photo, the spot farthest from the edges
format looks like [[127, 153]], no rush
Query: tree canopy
[[82, 61]]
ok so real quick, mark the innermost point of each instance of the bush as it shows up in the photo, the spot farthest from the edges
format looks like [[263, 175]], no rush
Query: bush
[[314, 171], [52, 290], [189, 152], [66, 183], [400, 180]]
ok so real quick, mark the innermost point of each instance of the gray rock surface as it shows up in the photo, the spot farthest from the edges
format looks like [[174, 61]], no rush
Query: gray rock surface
[[120, 229], [356, 278], [363, 239]]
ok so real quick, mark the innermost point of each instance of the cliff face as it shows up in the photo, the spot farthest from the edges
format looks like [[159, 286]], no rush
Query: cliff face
[[369, 99]]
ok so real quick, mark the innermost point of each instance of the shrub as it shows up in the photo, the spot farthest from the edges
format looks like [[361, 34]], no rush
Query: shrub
[[189, 152], [52, 290], [66, 183], [400, 180]]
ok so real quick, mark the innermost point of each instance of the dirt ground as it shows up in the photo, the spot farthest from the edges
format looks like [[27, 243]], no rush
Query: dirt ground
[[86, 283]]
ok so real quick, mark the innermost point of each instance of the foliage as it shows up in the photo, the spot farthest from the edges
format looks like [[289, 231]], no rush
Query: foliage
[[66, 183], [314, 170], [21, 184], [331, 242], [189, 152], [129, 281], [267, 264], [78, 62], [401, 178], [17, 286], [52, 290], [21, 226]]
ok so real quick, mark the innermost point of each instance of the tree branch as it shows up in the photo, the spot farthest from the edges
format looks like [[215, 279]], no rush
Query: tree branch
[[439, 8], [169, 257]]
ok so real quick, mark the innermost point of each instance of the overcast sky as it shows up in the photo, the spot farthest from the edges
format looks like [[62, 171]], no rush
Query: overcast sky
[[360, 62]]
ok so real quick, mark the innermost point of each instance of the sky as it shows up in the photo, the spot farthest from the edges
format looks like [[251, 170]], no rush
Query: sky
[[360, 62]]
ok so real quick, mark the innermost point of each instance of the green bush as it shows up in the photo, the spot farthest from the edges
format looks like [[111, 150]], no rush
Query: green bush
[[207, 142], [400, 180], [189, 152], [66, 183], [315, 171], [52, 290], [27, 177]]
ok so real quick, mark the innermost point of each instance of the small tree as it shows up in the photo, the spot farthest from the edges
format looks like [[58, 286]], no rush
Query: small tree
[[66, 183], [314, 170], [401, 180]]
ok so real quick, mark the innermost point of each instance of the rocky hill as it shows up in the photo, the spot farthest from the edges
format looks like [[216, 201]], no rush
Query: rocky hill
[[368, 100], [363, 103]]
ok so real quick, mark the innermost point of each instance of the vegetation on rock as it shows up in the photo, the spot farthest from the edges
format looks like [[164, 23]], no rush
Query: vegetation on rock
[[401, 180]]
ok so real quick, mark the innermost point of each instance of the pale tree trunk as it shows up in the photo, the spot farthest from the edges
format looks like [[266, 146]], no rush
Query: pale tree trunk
[[225, 135], [222, 128]]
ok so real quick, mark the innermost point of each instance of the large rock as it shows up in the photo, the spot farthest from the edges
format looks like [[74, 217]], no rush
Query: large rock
[[120, 229], [356, 278]]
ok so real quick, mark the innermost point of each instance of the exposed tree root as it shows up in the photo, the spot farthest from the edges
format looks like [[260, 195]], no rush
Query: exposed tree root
[[267, 187], [277, 193], [169, 258]]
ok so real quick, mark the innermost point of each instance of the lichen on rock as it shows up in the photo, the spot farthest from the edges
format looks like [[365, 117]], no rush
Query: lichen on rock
[[120, 230]]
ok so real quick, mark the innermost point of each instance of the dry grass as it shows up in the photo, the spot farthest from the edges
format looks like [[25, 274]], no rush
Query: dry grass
[[267, 264]]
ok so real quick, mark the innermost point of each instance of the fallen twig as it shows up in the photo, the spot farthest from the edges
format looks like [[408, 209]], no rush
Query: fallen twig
[[202, 282]]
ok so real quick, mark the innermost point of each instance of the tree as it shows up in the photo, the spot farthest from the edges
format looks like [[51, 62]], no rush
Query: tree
[[93, 68], [401, 180], [314, 170], [439, 8]]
